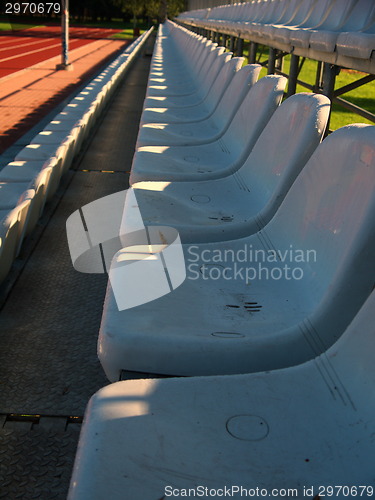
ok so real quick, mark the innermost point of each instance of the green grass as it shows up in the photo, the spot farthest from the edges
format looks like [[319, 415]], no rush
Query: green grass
[[126, 27], [6, 26], [363, 97], [127, 34], [114, 24]]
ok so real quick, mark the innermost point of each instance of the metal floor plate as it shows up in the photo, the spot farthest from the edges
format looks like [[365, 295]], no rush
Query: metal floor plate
[[50, 321], [36, 462]]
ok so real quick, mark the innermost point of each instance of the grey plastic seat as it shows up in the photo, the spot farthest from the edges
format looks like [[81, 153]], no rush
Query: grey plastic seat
[[234, 15], [273, 299], [197, 111], [34, 176], [281, 10], [183, 134], [214, 72], [242, 203], [301, 430], [8, 240], [180, 74], [200, 92], [15, 201], [173, 79], [244, 11], [334, 20], [259, 11], [310, 14], [43, 153], [278, 11], [218, 158], [359, 44], [293, 13], [57, 138], [177, 74], [325, 40]]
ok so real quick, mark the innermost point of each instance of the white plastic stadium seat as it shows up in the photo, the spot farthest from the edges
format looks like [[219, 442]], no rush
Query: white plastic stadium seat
[[270, 300], [210, 129], [297, 432], [30, 176], [197, 97], [164, 111], [334, 20], [306, 13], [15, 201], [173, 85], [218, 158], [241, 203], [325, 40], [358, 44]]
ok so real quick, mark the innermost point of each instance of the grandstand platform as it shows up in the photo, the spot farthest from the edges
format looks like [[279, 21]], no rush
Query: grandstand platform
[[187, 269]]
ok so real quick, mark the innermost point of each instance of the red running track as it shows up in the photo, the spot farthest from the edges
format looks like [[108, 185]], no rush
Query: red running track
[[35, 45]]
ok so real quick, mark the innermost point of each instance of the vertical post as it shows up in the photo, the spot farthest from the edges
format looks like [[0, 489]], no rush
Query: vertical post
[[293, 75], [329, 78], [65, 64], [330, 71], [231, 44], [279, 63], [319, 77], [271, 61], [239, 47], [253, 52], [225, 38], [65, 34]]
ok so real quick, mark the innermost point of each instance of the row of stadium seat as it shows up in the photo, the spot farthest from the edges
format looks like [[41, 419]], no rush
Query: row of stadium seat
[[289, 433], [336, 31], [32, 179], [226, 189], [235, 431]]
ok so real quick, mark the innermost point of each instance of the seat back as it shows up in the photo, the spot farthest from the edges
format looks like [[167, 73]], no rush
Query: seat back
[[359, 16], [283, 148], [254, 113], [302, 13], [247, 10], [205, 58], [279, 11], [256, 12], [289, 12], [370, 29], [318, 13], [223, 80], [213, 71], [330, 210], [269, 11], [338, 15], [235, 93]]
